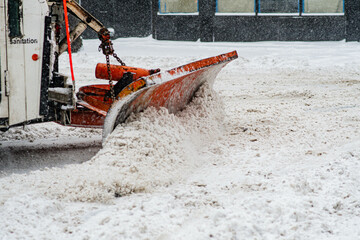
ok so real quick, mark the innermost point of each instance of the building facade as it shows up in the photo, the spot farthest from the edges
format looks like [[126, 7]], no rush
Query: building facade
[[231, 20]]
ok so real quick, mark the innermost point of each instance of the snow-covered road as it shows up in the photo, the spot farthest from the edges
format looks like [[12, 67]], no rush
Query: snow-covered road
[[273, 152]]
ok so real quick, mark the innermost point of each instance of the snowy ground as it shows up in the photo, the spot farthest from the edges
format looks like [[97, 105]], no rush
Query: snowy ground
[[272, 153]]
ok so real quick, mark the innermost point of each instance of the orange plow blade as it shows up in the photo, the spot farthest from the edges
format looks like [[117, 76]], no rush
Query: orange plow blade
[[172, 89]]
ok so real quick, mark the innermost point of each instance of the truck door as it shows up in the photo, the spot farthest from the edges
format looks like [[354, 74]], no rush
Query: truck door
[[25, 20], [15, 61], [4, 105]]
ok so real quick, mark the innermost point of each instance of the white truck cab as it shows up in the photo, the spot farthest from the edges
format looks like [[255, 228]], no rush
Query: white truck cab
[[22, 33]]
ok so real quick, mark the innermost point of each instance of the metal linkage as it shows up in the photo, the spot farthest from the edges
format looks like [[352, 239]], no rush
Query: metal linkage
[[112, 92], [118, 59], [107, 48]]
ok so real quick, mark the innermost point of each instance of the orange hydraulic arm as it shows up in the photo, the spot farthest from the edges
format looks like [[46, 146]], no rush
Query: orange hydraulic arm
[[117, 72]]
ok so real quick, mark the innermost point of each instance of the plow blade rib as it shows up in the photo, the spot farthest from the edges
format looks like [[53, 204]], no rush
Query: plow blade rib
[[173, 89]]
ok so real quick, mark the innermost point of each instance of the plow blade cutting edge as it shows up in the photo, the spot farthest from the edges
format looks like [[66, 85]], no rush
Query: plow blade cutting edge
[[172, 89]]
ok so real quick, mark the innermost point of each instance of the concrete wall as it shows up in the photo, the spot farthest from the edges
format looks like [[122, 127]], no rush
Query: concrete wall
[[129, 18], [139, 18]]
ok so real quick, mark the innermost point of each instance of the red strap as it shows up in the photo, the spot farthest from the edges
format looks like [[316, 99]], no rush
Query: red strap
[[68, 39]]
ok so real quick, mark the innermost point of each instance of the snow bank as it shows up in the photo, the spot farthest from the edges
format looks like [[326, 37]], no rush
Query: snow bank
[[34, 132]]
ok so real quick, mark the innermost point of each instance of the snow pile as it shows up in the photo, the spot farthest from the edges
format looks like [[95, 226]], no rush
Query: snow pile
[[157, 148], [154, 148]]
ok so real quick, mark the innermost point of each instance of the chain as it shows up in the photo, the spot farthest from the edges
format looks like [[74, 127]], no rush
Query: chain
[[110, 78], [118, 59], [107, 48]]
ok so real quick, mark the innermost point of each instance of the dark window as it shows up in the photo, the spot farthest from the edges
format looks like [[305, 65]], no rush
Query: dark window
[[279, 6], [14, 12]]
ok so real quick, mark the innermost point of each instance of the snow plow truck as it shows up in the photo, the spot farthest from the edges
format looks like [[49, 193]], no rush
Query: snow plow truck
[[32, 90]]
